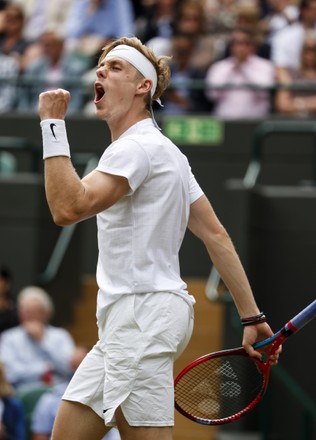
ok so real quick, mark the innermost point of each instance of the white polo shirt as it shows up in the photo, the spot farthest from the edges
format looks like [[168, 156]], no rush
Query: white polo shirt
[[139, 237], [286, 46]]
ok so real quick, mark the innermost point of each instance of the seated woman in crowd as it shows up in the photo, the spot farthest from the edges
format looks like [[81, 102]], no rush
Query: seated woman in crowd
[[298, 96]]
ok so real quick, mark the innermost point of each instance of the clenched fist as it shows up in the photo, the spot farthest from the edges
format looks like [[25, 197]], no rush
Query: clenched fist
[[53, 104]]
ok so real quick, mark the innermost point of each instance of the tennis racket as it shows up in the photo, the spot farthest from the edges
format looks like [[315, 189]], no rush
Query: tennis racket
[[220, 387]]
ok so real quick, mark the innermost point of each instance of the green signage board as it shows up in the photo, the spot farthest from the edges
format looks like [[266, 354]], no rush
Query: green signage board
[[201, 130]]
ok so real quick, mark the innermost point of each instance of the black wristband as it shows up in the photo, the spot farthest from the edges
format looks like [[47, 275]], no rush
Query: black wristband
[[253, 320]]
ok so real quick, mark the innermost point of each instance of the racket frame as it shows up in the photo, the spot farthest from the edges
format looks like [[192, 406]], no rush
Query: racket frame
[[291, 327], [264, 368]]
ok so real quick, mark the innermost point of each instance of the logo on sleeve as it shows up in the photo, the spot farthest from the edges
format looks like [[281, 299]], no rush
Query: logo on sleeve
[[52, 130]]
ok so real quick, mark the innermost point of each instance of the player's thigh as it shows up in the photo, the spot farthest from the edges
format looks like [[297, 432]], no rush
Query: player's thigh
[[75, 421], [128, 432]]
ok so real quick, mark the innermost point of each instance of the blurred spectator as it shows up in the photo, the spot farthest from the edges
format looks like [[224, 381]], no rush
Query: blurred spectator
[[157, 19], [53, 69], [3, 4], [92, 23], [287, 44], [223, 16], [182, 96], [8, 312], [12, 426], [240, 78], [188, 18], [12, 41], [45, 411], [9, 72], [247, 17], [281, 14], [43, 15], [300, 101], [191, 19], [221, 20], [35, 352]]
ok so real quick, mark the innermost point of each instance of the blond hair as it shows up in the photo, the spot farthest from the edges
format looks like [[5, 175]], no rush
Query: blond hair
[[160, 63]]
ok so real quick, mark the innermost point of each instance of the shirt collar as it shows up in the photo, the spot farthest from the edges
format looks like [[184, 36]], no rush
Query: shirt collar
[[148, 122]]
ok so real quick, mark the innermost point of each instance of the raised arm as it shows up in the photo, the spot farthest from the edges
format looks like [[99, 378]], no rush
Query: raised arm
[[204, 223], [70, 198]]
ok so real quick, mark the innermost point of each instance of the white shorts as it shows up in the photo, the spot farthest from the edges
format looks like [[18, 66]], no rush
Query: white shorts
[[131, 366]]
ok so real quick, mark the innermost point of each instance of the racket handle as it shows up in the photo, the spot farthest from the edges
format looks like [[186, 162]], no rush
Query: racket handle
[[295, 324], [303, 318]]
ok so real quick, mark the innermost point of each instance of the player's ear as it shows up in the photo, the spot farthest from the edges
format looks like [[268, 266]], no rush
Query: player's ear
[[144, 86]]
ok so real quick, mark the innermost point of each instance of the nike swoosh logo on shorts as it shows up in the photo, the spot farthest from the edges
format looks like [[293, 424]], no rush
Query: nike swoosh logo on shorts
[[52, 130]]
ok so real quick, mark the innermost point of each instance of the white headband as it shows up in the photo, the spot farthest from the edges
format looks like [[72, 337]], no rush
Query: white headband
[[138, 60]]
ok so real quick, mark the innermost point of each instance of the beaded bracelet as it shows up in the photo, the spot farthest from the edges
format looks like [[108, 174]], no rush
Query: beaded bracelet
[[253, 320]]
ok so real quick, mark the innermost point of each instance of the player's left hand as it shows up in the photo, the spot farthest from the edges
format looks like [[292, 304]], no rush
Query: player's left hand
[[256, 333]]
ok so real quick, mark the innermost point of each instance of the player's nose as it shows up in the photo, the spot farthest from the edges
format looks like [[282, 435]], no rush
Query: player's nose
[[101, 72]]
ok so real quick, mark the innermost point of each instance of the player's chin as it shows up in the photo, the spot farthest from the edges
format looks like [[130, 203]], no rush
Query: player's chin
[[99, 112]]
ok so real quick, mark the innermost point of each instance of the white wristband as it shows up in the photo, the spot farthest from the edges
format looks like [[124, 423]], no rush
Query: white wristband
[[55, 142]]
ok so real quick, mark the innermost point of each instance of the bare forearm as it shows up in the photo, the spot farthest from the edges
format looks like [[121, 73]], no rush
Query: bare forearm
[[229, 266], [63, 189], [205, 225], [304, 105]]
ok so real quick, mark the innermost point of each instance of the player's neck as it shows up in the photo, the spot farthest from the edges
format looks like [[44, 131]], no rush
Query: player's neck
[[119, 127]]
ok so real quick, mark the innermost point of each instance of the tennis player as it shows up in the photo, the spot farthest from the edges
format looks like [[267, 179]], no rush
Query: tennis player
[[144, 196]]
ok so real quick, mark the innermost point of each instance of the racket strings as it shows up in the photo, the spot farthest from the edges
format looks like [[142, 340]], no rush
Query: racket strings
[[219, 387]]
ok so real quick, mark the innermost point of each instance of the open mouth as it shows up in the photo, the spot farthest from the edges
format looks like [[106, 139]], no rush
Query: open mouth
[[99, 92]]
